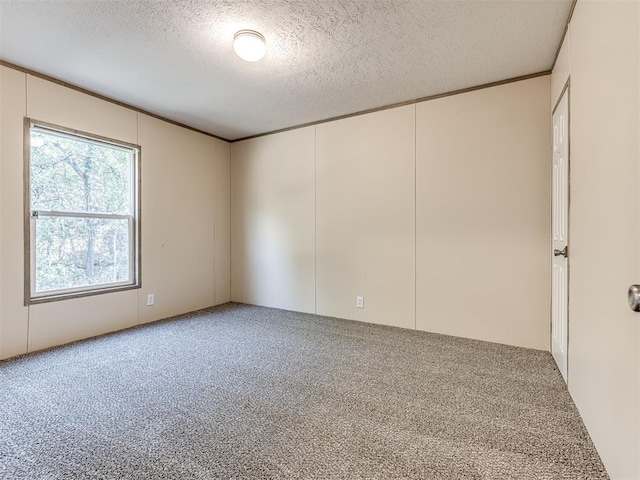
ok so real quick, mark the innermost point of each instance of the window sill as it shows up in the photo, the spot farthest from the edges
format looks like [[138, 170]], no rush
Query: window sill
[[71, 295]]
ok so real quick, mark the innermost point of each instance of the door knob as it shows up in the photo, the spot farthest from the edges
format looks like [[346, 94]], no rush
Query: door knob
[[634, 298], [564, 252]]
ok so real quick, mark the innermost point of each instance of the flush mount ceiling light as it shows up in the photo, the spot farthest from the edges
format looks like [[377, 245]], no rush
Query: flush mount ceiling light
[[249, 45]]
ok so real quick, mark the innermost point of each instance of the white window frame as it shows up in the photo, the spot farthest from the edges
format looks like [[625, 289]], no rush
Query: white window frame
[[31, 218]]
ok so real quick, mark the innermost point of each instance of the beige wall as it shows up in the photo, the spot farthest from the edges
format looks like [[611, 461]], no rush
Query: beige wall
[[600, 53], [277, 195], [365, 216], [237, 222], [481, 217], [185, 218], [2, 153], [561, 71], [13, 315], [483, 229], [177, 195], [222, 199]]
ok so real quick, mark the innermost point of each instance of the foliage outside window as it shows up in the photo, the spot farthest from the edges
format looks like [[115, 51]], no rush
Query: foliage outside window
[[83, 221]]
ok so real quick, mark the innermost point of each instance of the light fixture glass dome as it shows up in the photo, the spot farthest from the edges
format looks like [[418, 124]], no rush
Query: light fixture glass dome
[[249, 45]]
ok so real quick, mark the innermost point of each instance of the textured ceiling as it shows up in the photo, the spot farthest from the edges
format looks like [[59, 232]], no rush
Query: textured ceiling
[[325, 58]]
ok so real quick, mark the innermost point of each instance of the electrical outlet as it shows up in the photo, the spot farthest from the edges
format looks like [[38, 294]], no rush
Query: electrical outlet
[[359, 302], [151, 299]]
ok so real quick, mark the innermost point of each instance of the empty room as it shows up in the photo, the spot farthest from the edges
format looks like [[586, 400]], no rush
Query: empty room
[[333, 239]]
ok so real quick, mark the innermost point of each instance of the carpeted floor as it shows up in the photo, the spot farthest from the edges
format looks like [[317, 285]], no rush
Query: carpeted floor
[[249, 392]]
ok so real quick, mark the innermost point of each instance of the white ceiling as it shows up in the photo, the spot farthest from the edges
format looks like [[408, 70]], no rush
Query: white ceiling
[[325, 58]]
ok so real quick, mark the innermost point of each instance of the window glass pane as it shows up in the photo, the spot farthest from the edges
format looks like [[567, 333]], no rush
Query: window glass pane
[[74, 252], [80, 175]]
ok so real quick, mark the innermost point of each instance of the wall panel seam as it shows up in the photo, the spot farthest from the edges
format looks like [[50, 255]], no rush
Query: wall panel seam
[[215, 223], [415, 216], [315, 219], [243, 287]]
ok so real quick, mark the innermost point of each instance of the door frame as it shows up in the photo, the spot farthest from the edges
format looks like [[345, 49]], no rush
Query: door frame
[[565, 89]]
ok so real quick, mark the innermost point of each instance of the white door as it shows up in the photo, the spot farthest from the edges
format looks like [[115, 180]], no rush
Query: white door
[[560, 235]]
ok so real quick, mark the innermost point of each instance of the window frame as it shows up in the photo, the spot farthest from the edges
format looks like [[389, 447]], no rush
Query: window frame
[[135, 261]]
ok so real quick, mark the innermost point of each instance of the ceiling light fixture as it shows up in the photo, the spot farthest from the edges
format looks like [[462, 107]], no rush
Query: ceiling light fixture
[[249, 45]]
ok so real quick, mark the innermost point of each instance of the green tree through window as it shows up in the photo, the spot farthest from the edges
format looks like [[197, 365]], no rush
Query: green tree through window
[[83, 213]]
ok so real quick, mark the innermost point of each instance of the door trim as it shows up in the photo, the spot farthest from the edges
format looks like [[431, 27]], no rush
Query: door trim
[[566, 89]]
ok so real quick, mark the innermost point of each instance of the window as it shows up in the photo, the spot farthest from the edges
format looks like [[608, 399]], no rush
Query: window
[[82, 217]]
